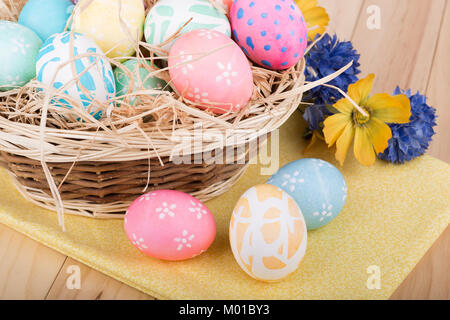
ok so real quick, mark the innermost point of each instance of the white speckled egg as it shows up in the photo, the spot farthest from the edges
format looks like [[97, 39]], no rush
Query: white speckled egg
[[101, 21], [95, 84], [267, 233], [317, 186], [168, 16], [170, 225], [19, 47]]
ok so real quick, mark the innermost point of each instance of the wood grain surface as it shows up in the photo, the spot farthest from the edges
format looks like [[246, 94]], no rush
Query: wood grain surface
[[410, 49]]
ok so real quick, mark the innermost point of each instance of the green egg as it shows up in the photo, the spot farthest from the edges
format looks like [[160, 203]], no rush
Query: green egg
[[141, 79], [19, 47]]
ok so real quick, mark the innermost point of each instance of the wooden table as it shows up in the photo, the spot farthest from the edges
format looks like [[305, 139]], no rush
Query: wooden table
[[411, 49]]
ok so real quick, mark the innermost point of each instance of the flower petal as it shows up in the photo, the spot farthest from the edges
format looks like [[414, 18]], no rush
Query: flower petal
[[344, 141], [316, 17], [306, 4], [334, 126], [363, 148], [344, 106], [380, 134], [390, 109], [361, 89]]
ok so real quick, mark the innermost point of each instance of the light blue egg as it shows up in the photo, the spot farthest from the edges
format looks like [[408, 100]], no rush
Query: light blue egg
[[317, 186], [46, 17], [19, 47], [63, 59]]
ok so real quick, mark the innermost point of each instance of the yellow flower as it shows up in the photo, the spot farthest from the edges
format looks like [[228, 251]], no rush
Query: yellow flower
[[371, 132], [316, 17]]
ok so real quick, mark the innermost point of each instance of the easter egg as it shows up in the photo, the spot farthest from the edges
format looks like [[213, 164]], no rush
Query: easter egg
[[170, 225], [94, 73], [137, 77], [317, 186], [166, 18], [273, 34], [209, 69], [46, 17], [116, 33], [267, 233], [19, 47]]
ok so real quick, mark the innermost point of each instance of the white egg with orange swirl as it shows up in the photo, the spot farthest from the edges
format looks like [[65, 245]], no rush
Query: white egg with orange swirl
[[267, 233]]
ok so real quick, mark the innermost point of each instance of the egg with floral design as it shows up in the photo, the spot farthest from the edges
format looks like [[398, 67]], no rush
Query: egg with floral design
[[317, 186], [115, 25], [19, 47], [169, 17], [227, 86], [62, 59], [267, 233], [170, 225], [273, 34]]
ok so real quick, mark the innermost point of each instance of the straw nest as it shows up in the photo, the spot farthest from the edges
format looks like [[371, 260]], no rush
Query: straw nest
[[67, 160]]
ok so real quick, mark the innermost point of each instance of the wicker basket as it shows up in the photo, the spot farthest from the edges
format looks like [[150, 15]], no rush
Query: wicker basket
[[97, 169]]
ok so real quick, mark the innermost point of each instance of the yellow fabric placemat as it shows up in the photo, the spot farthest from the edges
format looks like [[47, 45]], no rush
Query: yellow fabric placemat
[[392, 216]]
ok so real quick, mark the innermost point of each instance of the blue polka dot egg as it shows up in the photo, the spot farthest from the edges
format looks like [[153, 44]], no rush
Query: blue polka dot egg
[[317, 186], [66, 57], [273, 34]]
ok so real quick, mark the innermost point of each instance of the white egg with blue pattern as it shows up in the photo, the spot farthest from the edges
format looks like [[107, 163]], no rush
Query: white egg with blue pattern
[[167, 17], [59, 63], [317, 186]]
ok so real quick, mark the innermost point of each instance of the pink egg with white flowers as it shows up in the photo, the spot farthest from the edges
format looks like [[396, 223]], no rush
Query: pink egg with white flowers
[[210, 70], [273, 34], [170, 225]]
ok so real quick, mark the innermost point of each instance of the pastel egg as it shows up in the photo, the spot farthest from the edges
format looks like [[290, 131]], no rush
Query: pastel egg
[[166, 18], [228, 83], [46, 17], [317, 186], [170, 225], [19, 47], [94, 73], [138, 77], [101, 21], [267, 233], [273, 34]]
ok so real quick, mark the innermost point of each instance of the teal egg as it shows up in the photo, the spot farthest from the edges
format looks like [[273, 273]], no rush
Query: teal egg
[[141, 79], [317, 186], [46, 17], [19, 47]]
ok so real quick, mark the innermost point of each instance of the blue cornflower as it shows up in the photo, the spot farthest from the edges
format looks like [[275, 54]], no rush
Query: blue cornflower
[[326, 57], [412, 139]]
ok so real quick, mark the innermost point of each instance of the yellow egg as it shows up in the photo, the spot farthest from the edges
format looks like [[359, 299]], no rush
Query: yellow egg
[[99, 20], [267, 233]]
